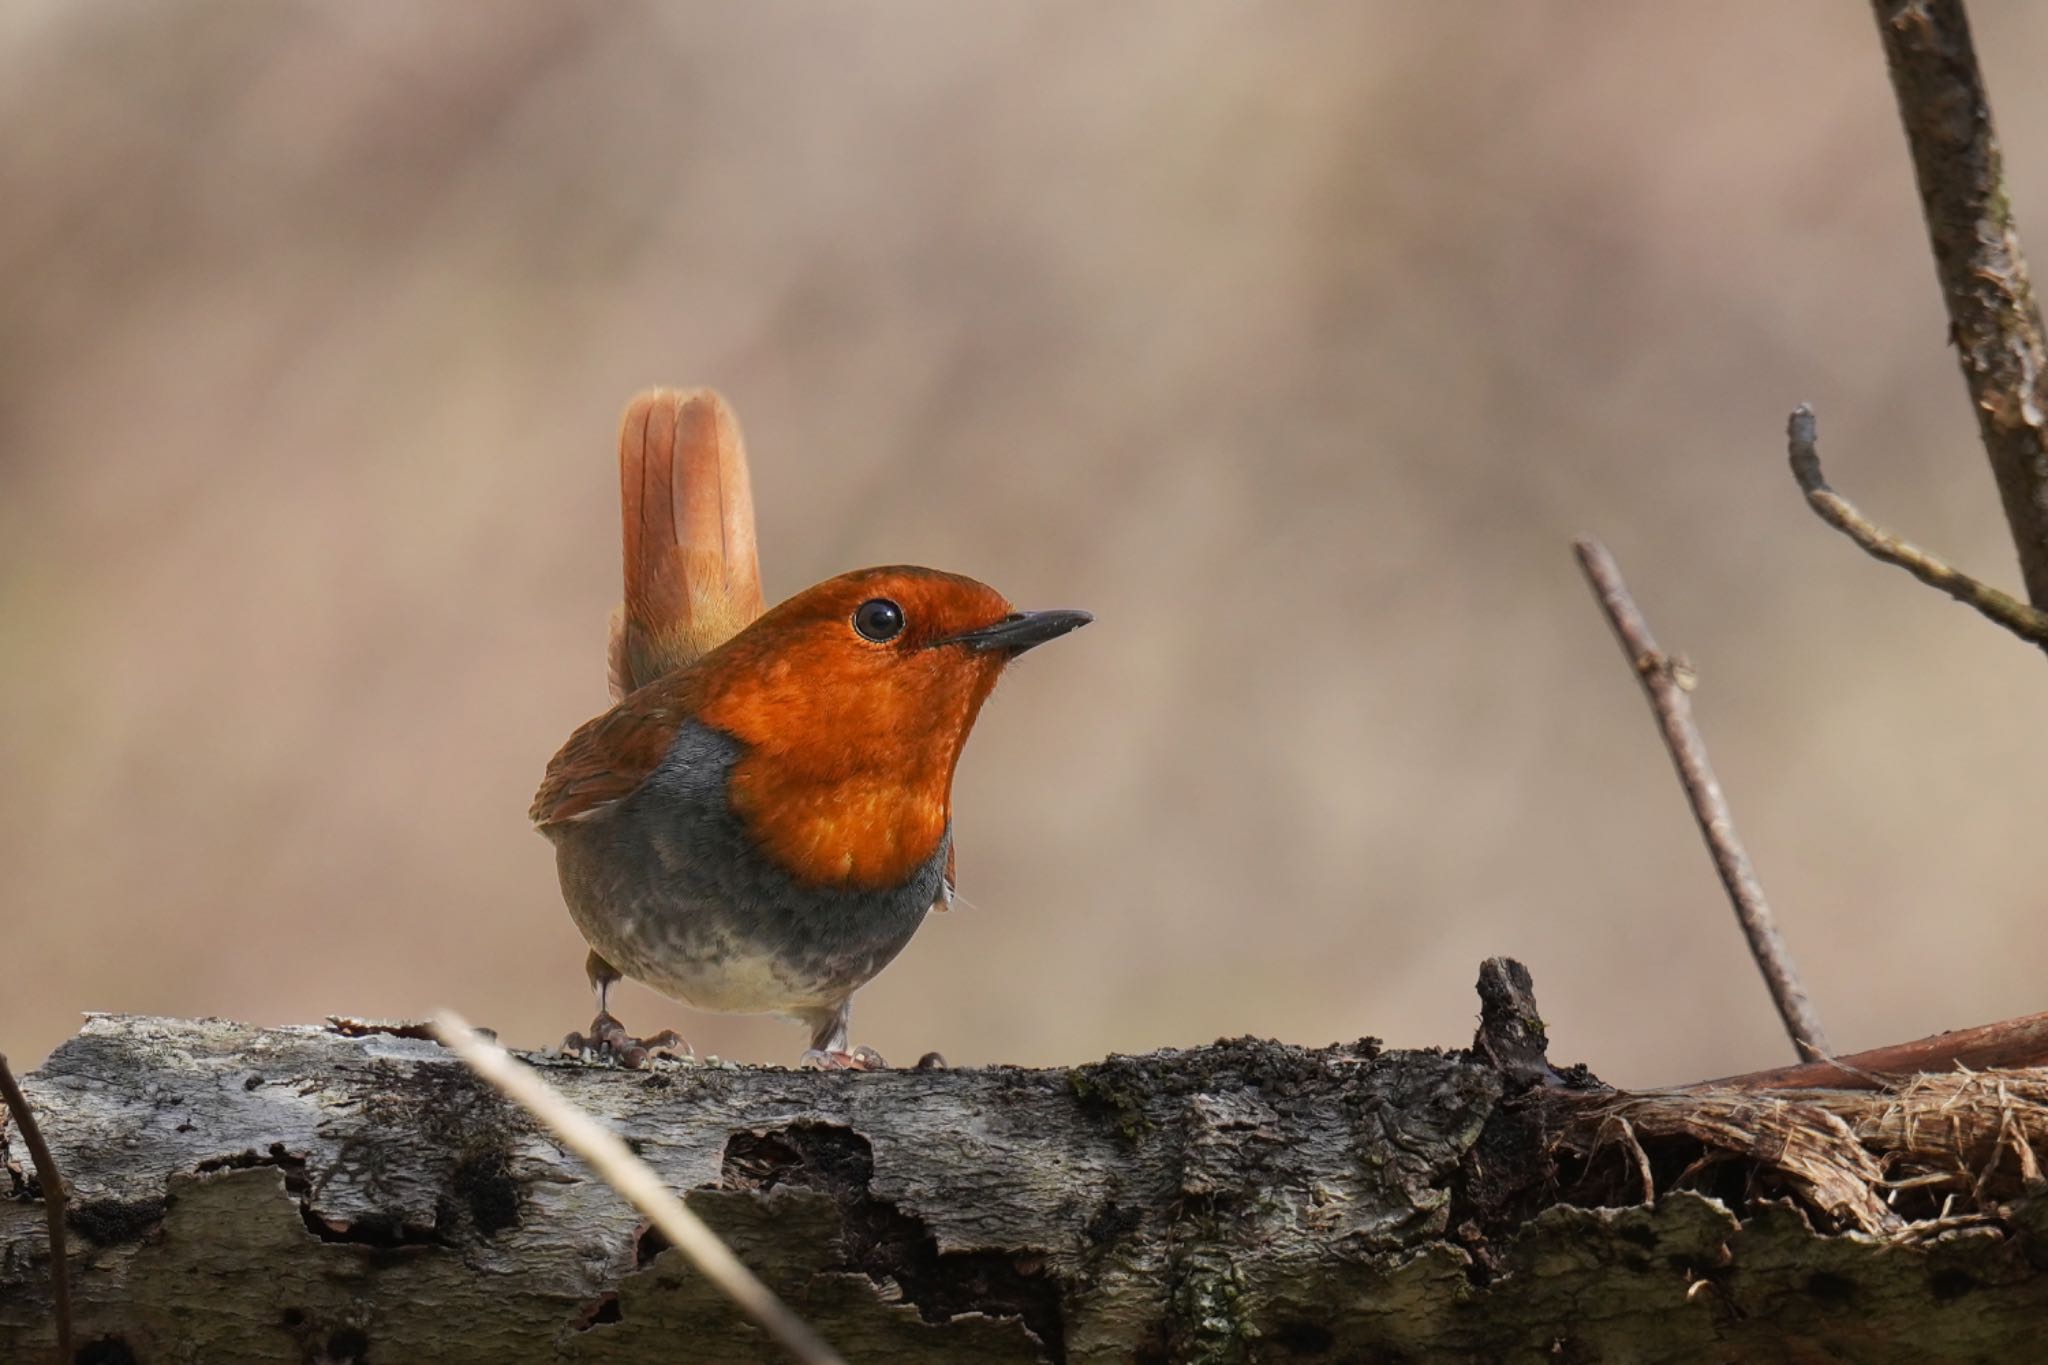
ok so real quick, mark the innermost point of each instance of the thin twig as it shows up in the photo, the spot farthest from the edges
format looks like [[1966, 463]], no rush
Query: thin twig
[[53, 1203], [1994, 318], [637, 1183], [2029, 623], [1666, 684]]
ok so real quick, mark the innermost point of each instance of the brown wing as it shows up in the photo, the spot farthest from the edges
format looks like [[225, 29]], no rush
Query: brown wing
[[693, 575], [608, 757]]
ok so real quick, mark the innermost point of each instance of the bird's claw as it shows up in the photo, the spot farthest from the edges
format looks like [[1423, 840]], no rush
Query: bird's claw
[[608, 1038], [859, 1059]]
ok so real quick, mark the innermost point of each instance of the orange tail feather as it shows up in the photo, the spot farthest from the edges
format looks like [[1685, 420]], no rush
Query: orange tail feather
[[693, 575]]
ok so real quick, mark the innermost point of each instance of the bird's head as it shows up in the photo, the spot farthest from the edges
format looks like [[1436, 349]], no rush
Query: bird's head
[[854, 699]]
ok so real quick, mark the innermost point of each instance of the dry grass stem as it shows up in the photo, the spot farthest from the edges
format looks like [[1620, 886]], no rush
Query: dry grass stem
[[637, 1183]]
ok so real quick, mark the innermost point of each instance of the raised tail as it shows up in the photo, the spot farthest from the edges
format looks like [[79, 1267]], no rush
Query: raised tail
[[693, 576]]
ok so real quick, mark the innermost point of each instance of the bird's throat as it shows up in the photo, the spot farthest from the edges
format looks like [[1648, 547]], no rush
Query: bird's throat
[[869, 830]]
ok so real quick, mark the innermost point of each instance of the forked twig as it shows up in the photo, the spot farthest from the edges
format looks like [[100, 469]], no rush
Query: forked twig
[[2029, 623], [53, 1203], [1666, 684], [1994, 315], [637, 1183]]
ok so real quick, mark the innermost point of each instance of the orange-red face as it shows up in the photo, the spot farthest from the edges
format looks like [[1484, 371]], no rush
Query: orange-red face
[[854, 699]]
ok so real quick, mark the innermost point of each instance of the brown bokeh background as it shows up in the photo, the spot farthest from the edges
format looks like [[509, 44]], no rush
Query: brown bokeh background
[[1295, 341]]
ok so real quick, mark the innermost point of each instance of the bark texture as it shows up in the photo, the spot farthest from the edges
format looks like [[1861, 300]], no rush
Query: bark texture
[[320, 1194]]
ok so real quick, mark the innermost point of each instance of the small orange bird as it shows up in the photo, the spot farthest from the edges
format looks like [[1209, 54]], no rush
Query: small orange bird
[[764, 817]]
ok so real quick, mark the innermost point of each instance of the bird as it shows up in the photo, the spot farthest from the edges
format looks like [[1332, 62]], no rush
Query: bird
[[763, 818]]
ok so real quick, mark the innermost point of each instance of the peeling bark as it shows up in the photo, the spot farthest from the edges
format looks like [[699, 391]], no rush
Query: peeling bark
[[321, 1194]]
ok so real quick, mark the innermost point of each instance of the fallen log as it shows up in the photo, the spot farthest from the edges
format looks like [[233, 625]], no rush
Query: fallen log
[[352, 1193]]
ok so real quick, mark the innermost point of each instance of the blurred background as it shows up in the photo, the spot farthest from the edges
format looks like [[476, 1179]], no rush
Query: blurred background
[[1294, 341]]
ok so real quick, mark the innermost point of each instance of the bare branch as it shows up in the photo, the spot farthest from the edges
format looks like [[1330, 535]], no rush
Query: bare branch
[[637, 1184], [53, 1203], [2029, 623], [1994, 319], [1666, 684], [2010, 1043]]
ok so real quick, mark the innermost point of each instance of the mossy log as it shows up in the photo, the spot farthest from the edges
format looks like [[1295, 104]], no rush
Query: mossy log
[[344, 1194]]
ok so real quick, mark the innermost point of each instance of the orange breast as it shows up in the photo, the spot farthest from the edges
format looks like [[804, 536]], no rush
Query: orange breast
[[843, 783], [866, 830]]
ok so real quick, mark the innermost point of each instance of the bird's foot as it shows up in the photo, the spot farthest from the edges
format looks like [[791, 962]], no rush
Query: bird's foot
[[931, 1061], [608, 1038], [839, 1059]]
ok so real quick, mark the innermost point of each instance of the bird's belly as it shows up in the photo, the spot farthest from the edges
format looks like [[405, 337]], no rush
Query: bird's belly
[[677, 899], [683, 955], [715, 957]]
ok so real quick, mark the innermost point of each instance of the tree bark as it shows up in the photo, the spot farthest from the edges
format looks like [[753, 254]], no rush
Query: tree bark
[[341, 1194]]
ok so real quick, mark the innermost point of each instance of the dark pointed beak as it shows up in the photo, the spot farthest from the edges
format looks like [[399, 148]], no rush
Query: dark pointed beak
[[1020, 630]]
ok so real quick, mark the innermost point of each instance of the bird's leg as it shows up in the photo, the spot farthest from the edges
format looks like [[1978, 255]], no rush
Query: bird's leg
[[608, 1037], [828, 1051]]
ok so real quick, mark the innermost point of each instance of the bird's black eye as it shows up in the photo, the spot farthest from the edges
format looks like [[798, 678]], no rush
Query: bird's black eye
[[879, 619]]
